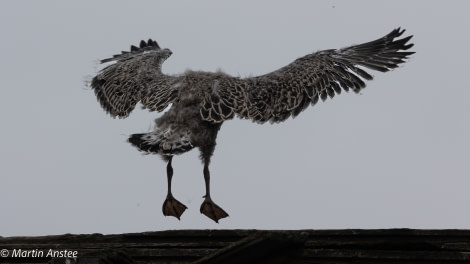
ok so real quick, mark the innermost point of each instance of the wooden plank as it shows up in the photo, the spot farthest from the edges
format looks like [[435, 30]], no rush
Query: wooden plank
[[269, 246]]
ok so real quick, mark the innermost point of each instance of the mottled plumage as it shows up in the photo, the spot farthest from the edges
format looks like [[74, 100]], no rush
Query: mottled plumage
[[202, 101]]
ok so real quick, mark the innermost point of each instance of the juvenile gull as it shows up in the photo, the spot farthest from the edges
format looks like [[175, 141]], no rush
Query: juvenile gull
[[202, 101]]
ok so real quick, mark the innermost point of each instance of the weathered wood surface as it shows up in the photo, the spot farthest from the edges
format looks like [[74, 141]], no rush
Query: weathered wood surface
[[251, 246]]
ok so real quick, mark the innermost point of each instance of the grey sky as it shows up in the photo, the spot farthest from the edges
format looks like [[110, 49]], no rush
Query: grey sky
[[397, 155]]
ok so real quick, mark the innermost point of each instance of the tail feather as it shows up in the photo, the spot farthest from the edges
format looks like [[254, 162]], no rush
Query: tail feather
[[142, 142], [161, 143]]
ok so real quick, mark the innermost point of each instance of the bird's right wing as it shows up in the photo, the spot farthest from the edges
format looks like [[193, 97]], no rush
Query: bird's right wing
[[288, 91], [135, 76]]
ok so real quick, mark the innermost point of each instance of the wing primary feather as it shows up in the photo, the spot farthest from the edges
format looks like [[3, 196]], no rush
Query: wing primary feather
[[134, 50]]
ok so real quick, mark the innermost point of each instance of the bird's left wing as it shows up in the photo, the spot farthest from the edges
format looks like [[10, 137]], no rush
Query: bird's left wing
[[135, 76], [288, 91]]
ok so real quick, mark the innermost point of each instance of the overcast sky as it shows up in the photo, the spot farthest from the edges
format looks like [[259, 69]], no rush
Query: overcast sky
[[395, 156]]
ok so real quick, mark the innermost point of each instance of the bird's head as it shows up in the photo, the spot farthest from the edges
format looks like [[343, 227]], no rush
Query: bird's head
[[163, 54]]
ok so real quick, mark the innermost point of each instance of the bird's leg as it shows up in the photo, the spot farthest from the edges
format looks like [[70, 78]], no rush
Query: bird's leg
[[208, 207], [171, 206]]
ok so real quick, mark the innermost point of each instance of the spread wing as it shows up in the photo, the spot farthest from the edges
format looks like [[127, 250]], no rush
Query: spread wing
[[135, 76], [288, 91]]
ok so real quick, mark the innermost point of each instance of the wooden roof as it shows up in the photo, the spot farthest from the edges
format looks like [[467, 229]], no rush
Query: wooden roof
[[248, 246]]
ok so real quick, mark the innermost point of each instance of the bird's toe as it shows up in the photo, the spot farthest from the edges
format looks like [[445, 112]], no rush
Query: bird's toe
[[172, 207], [212, 210]]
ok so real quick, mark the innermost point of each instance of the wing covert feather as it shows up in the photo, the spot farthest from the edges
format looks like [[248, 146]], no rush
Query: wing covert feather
[[288, 91], [135, 76]]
